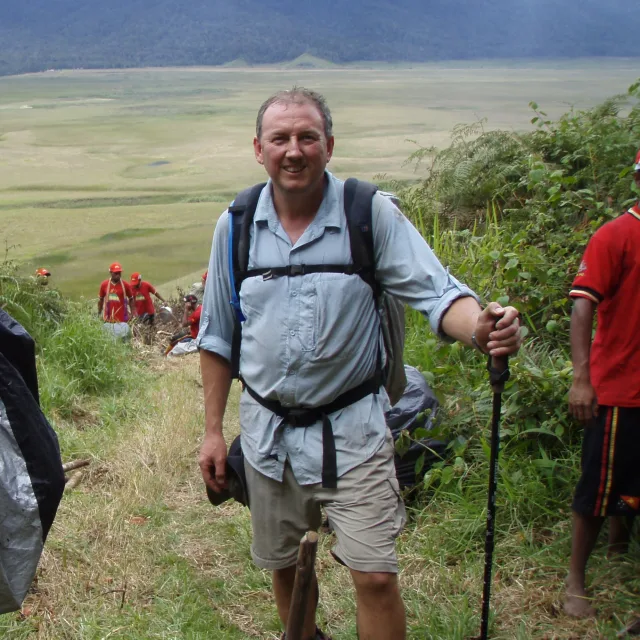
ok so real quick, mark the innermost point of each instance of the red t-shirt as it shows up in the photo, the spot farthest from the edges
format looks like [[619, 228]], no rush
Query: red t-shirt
[[142, 296], [115, 307], [609, 275], [194, 321]]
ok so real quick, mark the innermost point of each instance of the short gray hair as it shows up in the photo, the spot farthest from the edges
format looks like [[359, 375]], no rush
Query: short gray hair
[[297, 95]]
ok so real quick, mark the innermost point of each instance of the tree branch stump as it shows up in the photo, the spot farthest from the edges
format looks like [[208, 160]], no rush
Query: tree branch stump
[[73, 481], [305, 567], [75, 464]]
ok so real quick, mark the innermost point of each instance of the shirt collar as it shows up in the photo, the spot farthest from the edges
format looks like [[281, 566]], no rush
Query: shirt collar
[[329, 214], [635, 210]]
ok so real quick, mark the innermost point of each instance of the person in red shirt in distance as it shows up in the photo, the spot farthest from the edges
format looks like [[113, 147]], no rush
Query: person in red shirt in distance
[[605, 394], [112, 302], [142, 291], [191, 319], [42, 276], [191, 316]]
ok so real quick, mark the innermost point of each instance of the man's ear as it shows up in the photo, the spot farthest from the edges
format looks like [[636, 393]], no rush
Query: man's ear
[[257, 149], [330, 143]]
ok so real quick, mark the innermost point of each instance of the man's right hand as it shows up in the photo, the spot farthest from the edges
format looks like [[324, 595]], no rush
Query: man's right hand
[[212, 461], [583, 403]]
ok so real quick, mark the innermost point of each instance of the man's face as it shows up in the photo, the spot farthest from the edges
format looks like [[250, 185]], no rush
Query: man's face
[[293, 147], [115, 276]]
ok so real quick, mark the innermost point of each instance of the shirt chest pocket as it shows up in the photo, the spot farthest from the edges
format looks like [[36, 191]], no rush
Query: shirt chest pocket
[[332, 311]]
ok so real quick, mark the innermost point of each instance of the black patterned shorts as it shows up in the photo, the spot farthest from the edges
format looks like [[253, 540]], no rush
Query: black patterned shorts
[[610, 481]]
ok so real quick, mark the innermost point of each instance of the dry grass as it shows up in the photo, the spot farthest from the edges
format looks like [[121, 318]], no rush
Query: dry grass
[[138, 552]]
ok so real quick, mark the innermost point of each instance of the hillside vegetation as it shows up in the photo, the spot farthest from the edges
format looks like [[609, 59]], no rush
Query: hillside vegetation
[[36, 35], [137, 552]]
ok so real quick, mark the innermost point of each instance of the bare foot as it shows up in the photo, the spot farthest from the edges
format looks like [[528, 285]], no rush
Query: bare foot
[[577, 604], [632, 630]]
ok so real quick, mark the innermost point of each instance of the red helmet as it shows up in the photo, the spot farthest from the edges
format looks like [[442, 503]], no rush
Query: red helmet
[[136, 277], [115, 267], [43, 272]]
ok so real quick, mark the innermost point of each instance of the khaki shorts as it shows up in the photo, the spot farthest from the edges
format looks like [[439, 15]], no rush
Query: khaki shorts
[[365, 511]]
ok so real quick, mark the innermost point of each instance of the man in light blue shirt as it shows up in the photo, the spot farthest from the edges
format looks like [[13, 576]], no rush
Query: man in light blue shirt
[[306, 341]]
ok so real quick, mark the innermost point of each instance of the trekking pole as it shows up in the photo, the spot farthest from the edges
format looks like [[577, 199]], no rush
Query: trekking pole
[[304, 577], [498, 374]]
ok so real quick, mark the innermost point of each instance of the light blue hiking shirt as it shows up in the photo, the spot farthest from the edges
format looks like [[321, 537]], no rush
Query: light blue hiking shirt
[[307, 339]]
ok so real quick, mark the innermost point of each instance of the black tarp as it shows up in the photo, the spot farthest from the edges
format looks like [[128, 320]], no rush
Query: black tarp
[[31, 475]]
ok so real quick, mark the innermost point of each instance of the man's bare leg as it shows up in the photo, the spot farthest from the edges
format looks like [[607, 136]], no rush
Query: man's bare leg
[[282, 580], [619, 535], [380, 610], [585, 535]]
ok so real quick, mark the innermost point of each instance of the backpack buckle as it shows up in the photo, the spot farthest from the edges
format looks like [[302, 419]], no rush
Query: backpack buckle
[[296, 270], [300, 417], [268, 275]]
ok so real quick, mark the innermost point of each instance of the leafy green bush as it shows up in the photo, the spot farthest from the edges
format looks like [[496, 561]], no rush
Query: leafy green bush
[[510, 214], [36, 307]]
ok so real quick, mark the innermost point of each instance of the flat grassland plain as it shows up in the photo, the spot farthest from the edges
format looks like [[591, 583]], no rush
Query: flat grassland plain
[[136, 165]]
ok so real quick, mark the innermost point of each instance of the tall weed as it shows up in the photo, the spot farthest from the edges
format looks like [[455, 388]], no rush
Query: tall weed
[[76, 359]]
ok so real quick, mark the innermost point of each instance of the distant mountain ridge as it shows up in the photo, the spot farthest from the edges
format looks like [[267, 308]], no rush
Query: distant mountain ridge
[[36, 35]]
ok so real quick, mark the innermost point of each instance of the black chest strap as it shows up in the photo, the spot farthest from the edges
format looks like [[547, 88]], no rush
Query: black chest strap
[[299, 417]]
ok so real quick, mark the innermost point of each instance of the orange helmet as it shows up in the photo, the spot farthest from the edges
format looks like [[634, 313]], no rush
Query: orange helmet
[[115, 267], [204, 275], [136, 277], [43, 272]]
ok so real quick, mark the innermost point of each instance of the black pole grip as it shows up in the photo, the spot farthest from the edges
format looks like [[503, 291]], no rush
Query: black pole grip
[[498, 368]]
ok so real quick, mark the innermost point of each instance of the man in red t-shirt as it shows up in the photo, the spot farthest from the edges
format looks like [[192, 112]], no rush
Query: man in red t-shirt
[[191, 315], [605, 394], [191, 319], [142, 291], [113, 297]]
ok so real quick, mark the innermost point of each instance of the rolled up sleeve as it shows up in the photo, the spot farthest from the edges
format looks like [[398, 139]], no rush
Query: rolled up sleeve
[[407, 268], [216, 323]]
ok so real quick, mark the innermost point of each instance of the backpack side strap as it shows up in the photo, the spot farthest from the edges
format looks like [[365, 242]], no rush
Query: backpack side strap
[[241, 213]]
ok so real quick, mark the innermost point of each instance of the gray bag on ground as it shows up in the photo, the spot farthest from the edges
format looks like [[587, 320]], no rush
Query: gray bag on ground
[[416, 409], [31, 475]]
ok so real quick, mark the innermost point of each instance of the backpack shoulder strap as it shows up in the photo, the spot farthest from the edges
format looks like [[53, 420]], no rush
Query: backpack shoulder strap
[[242, 210], [241, 213], [358, 209]]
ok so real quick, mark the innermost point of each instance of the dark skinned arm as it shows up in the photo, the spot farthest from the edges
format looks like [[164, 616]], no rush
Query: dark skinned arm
[[583, 403], [188, 310]]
